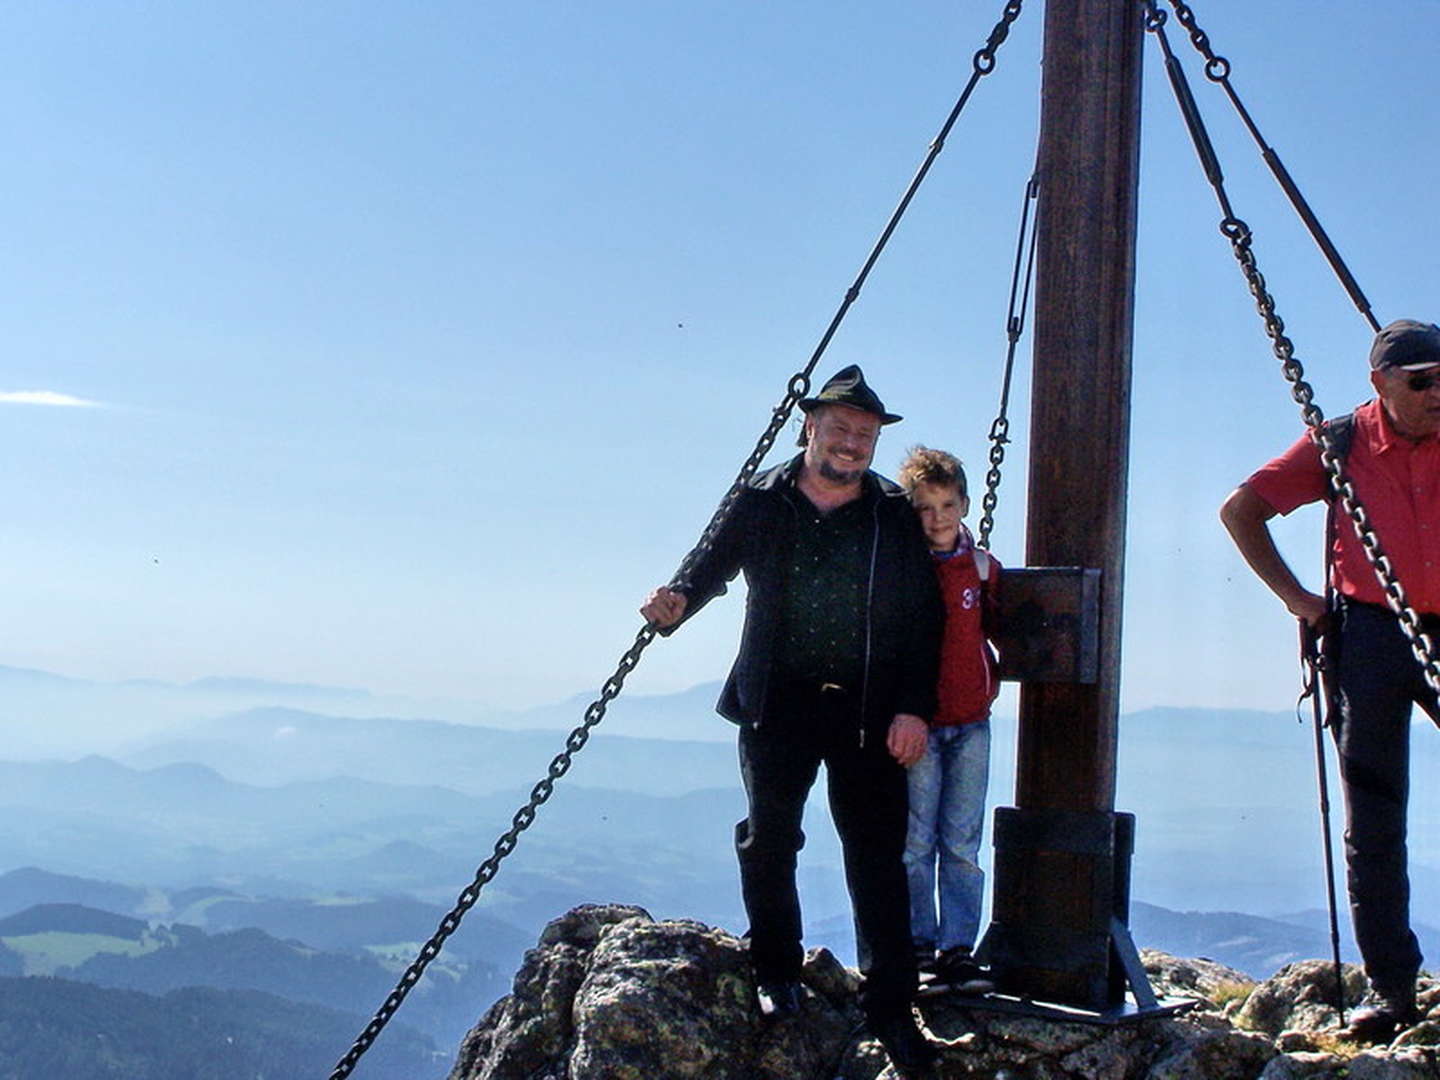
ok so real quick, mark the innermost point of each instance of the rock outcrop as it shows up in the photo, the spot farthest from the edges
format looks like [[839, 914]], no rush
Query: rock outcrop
[[609, 993]]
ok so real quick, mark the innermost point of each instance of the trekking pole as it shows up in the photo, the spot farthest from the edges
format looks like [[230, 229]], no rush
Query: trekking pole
[[1312, 688]]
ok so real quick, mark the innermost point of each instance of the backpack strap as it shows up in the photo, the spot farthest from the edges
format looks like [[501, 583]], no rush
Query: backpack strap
[[1342, 435]]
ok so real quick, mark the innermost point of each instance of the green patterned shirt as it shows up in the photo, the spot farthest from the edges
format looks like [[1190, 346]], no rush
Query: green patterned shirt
[[822, 627]]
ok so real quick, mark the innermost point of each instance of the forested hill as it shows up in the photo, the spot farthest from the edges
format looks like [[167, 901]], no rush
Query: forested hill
[[55, 1028], [72, 919]]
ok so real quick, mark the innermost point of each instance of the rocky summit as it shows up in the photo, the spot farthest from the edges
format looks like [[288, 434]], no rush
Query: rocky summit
[[609, 993]]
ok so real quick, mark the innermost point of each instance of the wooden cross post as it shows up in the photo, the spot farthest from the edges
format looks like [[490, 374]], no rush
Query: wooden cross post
[[1059, 930]]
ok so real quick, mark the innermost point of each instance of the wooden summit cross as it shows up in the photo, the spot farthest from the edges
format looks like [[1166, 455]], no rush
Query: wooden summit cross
[[1059, 930]]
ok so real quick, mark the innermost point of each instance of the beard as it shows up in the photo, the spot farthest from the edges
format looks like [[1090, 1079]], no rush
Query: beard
[[839, 476]]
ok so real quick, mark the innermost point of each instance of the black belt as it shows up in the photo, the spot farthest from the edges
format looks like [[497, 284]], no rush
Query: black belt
[[815, 690], [1428, 620]]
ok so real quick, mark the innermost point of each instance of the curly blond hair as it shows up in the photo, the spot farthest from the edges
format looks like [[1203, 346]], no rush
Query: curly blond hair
[[922, 465]]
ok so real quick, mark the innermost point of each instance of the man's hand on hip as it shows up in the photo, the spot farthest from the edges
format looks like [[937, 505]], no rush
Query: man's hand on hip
[[1308, 606], [908, 738]]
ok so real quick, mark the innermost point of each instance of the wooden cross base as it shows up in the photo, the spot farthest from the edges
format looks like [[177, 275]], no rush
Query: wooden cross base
[[1059, 932]]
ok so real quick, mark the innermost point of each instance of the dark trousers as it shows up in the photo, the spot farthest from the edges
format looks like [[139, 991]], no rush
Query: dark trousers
[[778, 764], [1378, 679]]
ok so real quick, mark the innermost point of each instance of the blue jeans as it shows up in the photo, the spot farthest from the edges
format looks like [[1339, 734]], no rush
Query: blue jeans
[[947, 818]]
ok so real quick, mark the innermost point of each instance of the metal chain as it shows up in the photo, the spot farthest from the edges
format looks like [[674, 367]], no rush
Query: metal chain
[[798, 387], [1014, 324], [522, 820], [1342, 490], [982, 64], [1217, 70]]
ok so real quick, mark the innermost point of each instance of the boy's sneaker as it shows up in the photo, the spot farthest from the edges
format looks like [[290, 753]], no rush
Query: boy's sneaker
[[958, 970], [925, 960]]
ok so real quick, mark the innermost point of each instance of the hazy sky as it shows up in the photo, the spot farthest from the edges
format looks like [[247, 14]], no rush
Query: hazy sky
[[407, 346]]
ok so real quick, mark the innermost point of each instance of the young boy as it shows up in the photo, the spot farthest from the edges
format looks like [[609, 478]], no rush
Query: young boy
[[947, 786]]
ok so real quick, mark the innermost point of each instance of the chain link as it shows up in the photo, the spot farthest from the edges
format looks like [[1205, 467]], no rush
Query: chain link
[[796, 389], [1342, 490], [999, 439], [1014, 324], [984, 60], [1217, 68]]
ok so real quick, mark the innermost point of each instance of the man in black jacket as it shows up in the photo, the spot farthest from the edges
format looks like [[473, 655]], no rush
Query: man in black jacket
[[837, 664]]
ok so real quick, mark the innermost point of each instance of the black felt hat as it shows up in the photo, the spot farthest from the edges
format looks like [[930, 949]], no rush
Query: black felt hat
[[1406, 344], [847, 387]]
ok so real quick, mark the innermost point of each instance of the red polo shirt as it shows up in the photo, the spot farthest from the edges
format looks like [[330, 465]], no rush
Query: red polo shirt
[[1398, 483]]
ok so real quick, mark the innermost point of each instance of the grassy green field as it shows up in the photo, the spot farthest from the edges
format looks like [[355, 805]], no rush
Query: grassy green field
[[45, 954]]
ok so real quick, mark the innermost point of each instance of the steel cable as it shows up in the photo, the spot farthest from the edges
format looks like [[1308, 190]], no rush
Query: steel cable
[[1342, 490], [1217, 70]]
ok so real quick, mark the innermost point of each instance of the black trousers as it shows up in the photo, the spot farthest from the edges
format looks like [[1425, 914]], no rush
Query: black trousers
[[779, 763], [1378, 680]]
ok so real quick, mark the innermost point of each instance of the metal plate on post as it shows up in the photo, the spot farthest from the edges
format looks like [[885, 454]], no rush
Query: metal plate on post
[[1048, 629]]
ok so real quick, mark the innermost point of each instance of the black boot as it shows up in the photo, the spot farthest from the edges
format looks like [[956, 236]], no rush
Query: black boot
[[910, 1053], [1380, 1023], [778, 999]]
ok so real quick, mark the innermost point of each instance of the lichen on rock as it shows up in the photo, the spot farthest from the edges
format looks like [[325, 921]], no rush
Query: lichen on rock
[[610, 993], [1300, 996]]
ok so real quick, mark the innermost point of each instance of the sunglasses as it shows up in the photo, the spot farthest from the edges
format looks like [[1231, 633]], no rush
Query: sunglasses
[[1422, 381]]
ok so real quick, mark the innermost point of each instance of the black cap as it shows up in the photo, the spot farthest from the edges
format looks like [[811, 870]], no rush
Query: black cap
[[847, 387], [1406, 344]]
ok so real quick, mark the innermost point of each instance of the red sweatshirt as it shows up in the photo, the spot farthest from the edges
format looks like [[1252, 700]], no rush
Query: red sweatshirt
[[967, 665]]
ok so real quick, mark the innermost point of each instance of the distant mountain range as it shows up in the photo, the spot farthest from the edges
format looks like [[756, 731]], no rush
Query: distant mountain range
[[49, 715], [279, 745], [14, 678], [1225, 799], [177, 826], [322, 861], [289, 820]]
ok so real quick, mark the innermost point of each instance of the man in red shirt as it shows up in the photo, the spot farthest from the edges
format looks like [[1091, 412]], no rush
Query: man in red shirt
[[1394, 464]]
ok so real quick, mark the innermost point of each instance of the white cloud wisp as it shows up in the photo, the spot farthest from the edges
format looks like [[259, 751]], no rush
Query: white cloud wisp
[[45, 397]]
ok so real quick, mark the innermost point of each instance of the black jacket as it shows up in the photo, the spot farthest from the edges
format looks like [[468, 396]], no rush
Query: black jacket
[[903, 615]]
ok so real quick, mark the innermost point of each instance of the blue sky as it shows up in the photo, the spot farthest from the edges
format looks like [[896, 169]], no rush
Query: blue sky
[[407, 346]]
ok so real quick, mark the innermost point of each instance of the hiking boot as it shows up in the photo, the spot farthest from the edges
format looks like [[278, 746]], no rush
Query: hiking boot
[[958, 969], [778, 999], [1379, 1023], [910, 1052]]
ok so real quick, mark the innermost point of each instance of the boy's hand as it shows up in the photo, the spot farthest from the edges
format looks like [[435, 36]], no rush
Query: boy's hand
[[908, 738]]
